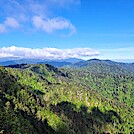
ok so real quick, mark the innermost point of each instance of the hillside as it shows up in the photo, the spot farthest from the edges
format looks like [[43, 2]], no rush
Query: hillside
[[99, 66], [43, 99]]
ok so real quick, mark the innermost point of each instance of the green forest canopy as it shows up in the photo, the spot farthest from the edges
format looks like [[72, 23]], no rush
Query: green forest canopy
[[43, 99]]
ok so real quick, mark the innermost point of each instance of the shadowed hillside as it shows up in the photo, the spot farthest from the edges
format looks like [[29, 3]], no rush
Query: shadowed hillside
[[82, 121]]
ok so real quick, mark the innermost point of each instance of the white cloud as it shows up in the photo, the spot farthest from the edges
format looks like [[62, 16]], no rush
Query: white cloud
[[46, 53], [4, 55], [11, 22], [26, 12], [2, 28], [51, 25]]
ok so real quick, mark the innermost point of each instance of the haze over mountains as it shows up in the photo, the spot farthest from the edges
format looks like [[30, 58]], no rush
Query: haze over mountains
[[92, 64], [56, 63]]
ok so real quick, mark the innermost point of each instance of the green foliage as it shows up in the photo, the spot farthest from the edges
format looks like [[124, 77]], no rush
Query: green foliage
[[42, 99]]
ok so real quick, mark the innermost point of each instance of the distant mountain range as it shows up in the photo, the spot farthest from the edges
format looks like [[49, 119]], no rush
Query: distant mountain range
[[56, 63], [94, 65]]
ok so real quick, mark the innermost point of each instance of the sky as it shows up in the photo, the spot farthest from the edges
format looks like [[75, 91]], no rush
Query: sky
[[59, 29]]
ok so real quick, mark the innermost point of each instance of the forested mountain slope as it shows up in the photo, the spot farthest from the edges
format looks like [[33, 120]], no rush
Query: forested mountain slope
[[43, 99], [96, 65]]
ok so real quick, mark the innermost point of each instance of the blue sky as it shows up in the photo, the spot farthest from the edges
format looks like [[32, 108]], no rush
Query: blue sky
[[67, 28]]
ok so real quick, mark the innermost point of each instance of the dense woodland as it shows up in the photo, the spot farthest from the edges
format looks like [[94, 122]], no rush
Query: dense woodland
[[95, 97]]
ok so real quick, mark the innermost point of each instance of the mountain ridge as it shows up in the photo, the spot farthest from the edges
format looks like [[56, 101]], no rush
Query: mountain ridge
[[40, 99], [102, 65], [56, 63]]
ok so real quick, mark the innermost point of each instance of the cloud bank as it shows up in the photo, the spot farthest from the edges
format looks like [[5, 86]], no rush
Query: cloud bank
[[46, 53], [36, 14]]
